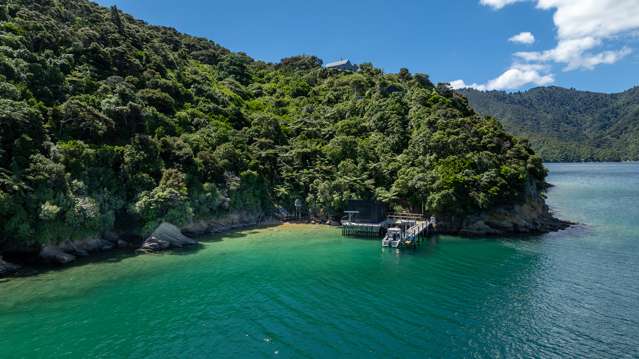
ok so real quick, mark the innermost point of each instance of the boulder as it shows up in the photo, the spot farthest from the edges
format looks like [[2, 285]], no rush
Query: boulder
[[106, 246], [153, 244], [166, 236], [54, 255], [83, 247], [7, 268]]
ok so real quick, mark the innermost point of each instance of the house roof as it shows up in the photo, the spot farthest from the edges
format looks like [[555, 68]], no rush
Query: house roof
[[338, 63]]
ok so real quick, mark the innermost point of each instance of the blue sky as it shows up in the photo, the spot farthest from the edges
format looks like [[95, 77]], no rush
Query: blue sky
[[462, 41]]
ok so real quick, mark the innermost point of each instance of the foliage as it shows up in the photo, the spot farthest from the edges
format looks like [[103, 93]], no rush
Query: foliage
[[107, 123], [566, 124]]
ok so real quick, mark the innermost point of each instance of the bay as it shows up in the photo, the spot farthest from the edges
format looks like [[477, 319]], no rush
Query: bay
[[304, 291]]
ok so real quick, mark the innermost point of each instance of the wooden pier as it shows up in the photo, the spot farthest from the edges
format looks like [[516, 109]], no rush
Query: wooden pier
[[363, 229], [414, 234], [408, 229]]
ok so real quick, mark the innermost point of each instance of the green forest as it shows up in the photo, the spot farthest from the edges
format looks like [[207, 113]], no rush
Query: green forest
[[110, 124], [566, 124]]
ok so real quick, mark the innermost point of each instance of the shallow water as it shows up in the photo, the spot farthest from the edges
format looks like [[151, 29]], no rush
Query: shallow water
[[304, 291]]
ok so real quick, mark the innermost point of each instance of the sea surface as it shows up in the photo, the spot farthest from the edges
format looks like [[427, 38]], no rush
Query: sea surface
[[302, 291]]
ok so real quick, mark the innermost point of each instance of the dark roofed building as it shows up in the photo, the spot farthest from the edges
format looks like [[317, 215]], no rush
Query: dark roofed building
[[367, 211], [343, 65]]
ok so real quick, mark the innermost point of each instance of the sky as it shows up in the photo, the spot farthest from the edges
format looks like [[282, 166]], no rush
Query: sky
[[506, 45]]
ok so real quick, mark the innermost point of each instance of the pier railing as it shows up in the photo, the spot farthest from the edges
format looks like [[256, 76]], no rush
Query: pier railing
[[406, 216], [362, 229], [413, 227]]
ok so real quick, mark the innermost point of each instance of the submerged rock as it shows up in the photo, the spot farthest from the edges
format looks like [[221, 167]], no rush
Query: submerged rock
[[166, 236], [7, 268]]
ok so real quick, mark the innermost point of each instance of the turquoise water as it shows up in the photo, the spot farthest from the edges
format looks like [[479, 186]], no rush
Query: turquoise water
[[304, 291]]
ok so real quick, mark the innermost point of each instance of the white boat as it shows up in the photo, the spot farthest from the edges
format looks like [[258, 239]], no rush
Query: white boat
[[392, 238], [386, 242]]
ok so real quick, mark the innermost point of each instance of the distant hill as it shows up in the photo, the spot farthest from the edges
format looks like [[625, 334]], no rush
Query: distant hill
[[566, 124]]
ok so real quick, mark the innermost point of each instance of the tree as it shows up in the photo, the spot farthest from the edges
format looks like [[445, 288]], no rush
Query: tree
[[117, 20], [169, 202], [109, 124]]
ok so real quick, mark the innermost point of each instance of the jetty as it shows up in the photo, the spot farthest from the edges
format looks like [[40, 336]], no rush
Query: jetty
[[397, 230], [408, 230]]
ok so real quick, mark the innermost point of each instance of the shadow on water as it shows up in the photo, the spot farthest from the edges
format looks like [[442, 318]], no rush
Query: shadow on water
[[118, 255], [112, 256]]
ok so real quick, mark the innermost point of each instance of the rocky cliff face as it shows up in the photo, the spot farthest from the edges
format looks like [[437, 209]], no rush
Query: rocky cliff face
[[533, 216], [530, 217]]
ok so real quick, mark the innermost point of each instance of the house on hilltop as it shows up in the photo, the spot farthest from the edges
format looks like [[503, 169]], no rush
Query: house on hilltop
[[342, 65]]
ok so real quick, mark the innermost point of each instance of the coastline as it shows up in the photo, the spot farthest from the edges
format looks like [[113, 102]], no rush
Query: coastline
[[532, 216], [34, 259], [500, 222]]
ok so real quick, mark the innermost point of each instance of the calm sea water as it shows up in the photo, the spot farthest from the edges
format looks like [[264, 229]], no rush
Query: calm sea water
[[303, 291]]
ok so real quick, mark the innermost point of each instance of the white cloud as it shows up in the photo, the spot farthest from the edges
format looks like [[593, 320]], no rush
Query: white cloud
[[497, 4], [574, 54], [597, 18], [516, 76], [523, 38], [459, 84], [585, 25], [585, 29]]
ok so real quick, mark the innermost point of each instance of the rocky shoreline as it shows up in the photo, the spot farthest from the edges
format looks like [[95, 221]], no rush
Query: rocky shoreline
[[22, 261], [531, 217], [528, 217]]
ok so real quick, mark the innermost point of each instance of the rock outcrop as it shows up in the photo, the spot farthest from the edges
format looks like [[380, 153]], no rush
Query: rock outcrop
[[52, 254], [82, 248], [166, 236], [7, 268], [530, 217], [68, 251]]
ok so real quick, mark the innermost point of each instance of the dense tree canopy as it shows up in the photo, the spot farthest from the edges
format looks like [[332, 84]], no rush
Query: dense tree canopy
[[107, 123], [566, 124]]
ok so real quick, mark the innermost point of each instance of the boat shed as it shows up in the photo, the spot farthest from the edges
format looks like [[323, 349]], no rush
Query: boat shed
[[367, 211]]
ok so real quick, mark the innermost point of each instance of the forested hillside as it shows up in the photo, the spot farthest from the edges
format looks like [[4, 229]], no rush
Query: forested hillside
[[568, 125], [107, 123]]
